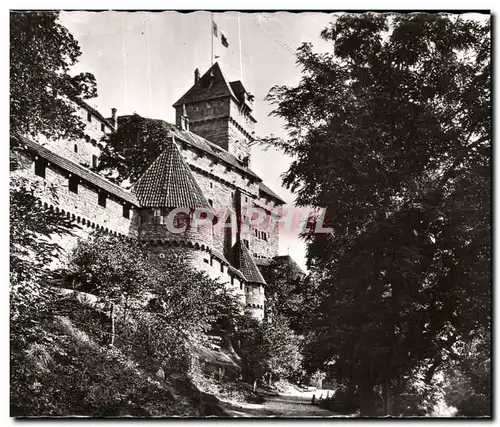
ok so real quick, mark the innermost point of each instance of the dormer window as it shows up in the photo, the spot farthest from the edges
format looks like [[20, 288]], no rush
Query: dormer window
[[89, 117]]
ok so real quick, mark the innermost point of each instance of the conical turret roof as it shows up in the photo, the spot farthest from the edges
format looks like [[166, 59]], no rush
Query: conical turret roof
[[246, 264], [168, 182]]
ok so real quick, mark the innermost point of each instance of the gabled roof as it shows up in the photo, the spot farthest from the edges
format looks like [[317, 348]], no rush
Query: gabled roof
[[213, 84], [246, 264], [80, 171], [168, 182]]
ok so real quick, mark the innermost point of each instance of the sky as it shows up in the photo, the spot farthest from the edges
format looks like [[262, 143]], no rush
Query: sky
[[144, 61]]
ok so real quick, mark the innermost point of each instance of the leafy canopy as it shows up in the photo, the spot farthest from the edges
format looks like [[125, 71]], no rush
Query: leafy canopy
[[390, 131], [42, 52]]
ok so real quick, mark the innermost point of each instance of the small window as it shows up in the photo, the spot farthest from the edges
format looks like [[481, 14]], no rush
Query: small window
[[126, 211], [221, 267], [205, 260], [211, 185], [246, 199], [246, 243], [103, 127], [157, 216], [102, 199], [232, 280], [211, 202], [73, 184], [94, 161], [211, 261], [89, 117], [40, 166], [75, 148]]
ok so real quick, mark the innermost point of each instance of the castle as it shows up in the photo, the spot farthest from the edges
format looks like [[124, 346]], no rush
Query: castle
[[205, 168]]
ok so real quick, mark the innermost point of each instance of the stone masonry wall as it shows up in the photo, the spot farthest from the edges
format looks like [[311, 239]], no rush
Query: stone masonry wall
[[82, 207], [151, 230], [208, 119], [81, 151]]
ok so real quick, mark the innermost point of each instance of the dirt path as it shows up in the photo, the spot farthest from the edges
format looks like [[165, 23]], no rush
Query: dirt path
[[285, 405]]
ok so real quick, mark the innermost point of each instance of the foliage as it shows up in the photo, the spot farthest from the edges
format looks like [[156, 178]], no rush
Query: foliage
[[66, 372], [285, 291], [174, 305], [468, 385], [42, 51], [268, 348], [31, 225], [391, 133], [110, 267], [133, 148]]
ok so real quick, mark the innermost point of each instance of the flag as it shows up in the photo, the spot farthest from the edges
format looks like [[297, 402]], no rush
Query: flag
[[214, 27], [224, 40]]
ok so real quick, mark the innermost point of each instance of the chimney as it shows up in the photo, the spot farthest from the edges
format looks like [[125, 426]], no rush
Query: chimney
[[196, 76], [114, 120]]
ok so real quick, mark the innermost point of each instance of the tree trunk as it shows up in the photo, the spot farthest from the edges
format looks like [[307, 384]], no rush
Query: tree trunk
[[386, 391], [112, 325], [366, 399], [255, 385]]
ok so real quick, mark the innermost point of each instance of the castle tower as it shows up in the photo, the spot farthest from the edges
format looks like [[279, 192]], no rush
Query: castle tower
[[219, 111], [170, 200], [254, 292]]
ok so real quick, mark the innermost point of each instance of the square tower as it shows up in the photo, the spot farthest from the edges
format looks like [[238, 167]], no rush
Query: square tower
[[219, 111]]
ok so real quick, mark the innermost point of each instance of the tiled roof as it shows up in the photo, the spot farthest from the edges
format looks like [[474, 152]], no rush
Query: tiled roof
[[291, 264], [265, 189], [262, 262], [168, 182], [222, 258], [80, 171], [213, 84], [246, 264]]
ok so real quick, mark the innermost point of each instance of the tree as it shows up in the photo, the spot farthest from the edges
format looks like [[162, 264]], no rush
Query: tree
[[114, 269], [133, 148], [268, 349], [174, 305], [42, 51], [391, 133]]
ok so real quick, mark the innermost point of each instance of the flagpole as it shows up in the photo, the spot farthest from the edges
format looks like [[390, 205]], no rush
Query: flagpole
[[212, 37], [239, 43]]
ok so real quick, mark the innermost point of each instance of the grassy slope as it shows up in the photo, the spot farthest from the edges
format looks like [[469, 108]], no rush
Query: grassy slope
[[66, 371]]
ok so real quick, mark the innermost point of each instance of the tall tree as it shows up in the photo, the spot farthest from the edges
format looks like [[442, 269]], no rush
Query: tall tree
[[133, 148], [391, 132], [42, 52]]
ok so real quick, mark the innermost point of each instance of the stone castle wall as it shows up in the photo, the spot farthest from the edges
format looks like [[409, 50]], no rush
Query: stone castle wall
[[85, 151]]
